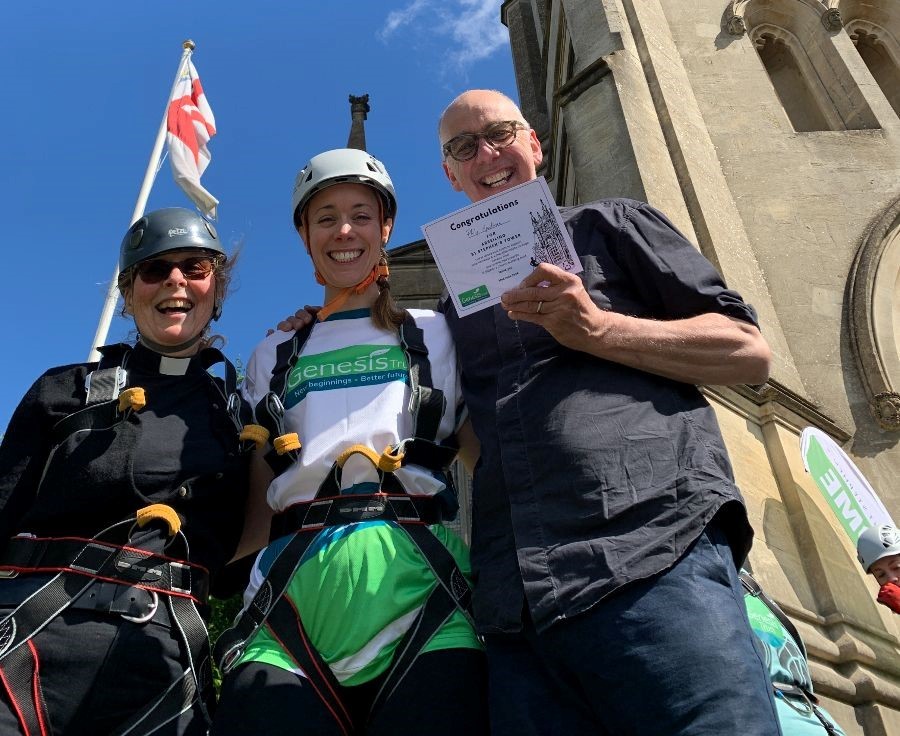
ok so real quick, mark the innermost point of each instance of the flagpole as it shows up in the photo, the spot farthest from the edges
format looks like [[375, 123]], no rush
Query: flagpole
[[112, 293]]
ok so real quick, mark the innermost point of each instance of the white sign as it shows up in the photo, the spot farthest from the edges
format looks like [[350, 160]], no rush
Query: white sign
[[488, 247], [848, 493]]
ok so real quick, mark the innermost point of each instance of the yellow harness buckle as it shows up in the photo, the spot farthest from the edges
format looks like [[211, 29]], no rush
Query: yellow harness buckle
[[159, 511], [132, 398], [287, 442], [255, 433], [390, 462], [367, 452], [386, 461]]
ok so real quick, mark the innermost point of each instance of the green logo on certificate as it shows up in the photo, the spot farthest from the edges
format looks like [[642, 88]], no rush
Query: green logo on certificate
[[473, 295]]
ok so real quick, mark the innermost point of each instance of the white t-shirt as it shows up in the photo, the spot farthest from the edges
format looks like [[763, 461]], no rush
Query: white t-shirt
[[359, 586], [345, 389]]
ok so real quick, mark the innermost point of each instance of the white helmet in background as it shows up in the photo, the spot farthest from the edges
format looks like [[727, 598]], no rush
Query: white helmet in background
[[877, 542]]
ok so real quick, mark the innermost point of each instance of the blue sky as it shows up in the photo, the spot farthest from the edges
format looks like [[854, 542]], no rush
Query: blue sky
[[85, 86]]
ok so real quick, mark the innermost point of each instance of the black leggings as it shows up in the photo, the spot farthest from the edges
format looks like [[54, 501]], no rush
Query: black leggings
[[443, 694]]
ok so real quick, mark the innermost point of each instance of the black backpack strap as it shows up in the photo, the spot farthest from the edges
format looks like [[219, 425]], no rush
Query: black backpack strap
[[426, 402], [213, 356], [20, 678], [269, 412], [286, 354], [284, 622], [102, 388], [272, 608], [231, 643], [451, 593], [800, 693], [238, 410], [108, 379], [752, 587]]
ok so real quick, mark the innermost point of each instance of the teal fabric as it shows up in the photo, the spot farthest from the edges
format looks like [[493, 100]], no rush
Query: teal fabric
[[786, 664]]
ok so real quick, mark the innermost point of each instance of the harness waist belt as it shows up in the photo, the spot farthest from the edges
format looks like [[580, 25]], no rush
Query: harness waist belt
[[349, 508], [120, 564], [116, 598]]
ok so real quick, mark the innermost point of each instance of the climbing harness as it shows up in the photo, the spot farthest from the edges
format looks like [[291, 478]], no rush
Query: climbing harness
[[138, 579], [272, 608]]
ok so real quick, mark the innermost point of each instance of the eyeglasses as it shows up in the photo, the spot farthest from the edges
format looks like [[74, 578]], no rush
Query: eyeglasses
[[501, 134], [195, 268]]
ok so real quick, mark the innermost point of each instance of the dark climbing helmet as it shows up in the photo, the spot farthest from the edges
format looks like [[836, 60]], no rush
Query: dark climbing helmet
[[165, 230]]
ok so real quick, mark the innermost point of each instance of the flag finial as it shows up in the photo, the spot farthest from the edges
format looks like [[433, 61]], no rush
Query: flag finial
[[188, 44]]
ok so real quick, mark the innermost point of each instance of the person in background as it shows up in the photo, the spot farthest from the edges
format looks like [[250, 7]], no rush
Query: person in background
[[357, 616], [122, 492], [784, 653], [878, 549]]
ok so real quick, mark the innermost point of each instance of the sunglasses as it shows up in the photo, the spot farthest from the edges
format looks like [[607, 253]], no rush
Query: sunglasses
[[195, 268], [497, 135]]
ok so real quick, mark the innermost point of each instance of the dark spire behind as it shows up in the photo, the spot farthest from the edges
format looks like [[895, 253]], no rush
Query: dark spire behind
[[359, 106]]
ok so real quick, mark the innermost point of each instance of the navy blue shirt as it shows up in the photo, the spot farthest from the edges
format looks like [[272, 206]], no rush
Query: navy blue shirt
[[592, 474]]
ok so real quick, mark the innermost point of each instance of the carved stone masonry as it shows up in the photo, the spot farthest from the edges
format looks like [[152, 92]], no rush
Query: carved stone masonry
[[886, 410], [832, 20], [735, 25]]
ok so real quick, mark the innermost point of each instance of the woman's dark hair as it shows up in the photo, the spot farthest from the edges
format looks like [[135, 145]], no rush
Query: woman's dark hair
[[386, 313]]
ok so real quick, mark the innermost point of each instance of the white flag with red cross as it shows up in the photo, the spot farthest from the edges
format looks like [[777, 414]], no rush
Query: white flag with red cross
[[190, 124]]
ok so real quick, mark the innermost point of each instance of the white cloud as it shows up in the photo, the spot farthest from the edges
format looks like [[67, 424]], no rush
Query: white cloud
[[476, 29], [473, 27], [399, 18]]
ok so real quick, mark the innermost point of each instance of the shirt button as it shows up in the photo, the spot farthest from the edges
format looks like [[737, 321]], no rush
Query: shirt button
[[182, 491], [219, 476]]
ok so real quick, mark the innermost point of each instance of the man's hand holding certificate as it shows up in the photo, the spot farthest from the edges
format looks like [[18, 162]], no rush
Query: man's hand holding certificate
[[489, 247]]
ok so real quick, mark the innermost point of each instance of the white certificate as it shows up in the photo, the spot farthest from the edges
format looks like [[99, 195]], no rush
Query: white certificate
[[488, 247]]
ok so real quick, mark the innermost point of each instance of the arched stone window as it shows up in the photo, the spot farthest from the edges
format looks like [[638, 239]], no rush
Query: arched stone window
[[799, 89], [875, 29], [875, 317], [793, 39]]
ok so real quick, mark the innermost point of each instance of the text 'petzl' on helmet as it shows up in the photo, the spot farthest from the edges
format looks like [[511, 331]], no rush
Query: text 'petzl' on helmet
[[165, 230]]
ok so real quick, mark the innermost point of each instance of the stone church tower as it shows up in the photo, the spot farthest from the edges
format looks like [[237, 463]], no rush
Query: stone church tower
[[768, 131]]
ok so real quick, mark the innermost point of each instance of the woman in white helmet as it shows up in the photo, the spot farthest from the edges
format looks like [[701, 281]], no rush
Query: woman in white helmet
[[878, 549], [357, 616]]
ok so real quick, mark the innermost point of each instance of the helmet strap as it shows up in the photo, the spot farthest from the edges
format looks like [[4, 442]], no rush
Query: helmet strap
[[379, 271], [170, 349]]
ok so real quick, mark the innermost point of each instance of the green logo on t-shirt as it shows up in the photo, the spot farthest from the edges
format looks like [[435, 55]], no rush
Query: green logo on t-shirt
[[357, 365]]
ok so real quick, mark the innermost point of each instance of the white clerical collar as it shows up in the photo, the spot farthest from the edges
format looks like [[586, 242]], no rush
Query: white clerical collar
[[173, 366]]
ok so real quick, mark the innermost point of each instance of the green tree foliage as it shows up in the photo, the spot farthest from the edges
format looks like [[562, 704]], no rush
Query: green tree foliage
[[221, 618]]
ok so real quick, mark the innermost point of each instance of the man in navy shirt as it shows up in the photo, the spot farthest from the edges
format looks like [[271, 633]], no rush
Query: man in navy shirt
[[607, 527]]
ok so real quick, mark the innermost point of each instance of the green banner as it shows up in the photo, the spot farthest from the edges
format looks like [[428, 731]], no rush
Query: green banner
[[836, 489]]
